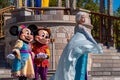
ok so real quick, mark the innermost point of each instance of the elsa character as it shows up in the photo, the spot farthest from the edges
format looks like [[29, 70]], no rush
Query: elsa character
[[73, 61]]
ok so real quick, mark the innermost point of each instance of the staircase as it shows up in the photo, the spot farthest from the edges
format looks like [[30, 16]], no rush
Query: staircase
[[2, 11], [50, 73], [104, 66], [5, 74], [2, 56]]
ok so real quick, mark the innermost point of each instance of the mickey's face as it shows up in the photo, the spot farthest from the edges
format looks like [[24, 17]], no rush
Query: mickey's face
[[42, 37], [26, 35]]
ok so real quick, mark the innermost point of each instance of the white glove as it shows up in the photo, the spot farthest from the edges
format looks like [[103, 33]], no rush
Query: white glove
[[11, 56], [43, 55]]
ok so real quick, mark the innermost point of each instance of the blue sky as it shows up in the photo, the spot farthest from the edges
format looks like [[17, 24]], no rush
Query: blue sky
[[116, 4]]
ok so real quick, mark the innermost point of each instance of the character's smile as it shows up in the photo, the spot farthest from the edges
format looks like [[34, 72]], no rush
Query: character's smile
[[28, 38]]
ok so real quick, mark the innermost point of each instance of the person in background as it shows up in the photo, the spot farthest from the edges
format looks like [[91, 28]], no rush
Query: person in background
[[42, 53], [22, 55], [73, 61]]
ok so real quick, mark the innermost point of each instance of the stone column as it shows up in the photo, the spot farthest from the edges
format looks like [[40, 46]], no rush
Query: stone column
[[59, 3], [73, 4], [25, 3], [67, 3], [17, 4], [53, 55], [33, 3]]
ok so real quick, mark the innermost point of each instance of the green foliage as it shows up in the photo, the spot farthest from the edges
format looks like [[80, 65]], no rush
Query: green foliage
[[116, 26], [53, 3], [63, 2], [117, 13], [88, 4], [80, 3], [91, 7], [4, 4], [95, 21]]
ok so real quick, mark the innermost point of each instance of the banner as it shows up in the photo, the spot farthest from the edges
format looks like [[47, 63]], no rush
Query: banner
[[28, 3], [45, 3], [41, 3], [20, 3], [38, 3]]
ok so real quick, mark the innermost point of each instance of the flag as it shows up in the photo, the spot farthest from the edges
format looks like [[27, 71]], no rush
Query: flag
[[28, 3], [20, 3], [37, 3], [45, 3], [41, 3]]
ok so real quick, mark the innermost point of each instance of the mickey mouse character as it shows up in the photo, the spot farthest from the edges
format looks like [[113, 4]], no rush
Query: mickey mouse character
[[23, 65], [42, 52]]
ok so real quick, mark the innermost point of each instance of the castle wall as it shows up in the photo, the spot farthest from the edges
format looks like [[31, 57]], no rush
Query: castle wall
[[61, 26]]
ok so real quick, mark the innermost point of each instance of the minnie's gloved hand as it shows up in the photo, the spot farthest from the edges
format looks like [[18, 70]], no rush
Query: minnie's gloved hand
[[11, 56]]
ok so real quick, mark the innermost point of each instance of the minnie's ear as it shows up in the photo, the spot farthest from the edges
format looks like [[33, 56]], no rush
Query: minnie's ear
[[13, 30], [32, 27]]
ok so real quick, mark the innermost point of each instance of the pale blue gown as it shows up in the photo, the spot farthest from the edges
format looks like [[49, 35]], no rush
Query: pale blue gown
[[73, 61]]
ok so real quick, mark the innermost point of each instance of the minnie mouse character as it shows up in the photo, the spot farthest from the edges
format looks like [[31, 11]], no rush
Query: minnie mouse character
[[23, 65], [42, 52]]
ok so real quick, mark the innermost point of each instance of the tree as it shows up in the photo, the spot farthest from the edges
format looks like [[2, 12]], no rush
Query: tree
[[53, 3], [80, 3], [102, 6], [117, 12], [110, 25], [91, 5], [4, 4], [110, 8]]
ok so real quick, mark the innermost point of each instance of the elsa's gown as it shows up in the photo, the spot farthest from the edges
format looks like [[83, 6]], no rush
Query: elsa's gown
[[73, 61]]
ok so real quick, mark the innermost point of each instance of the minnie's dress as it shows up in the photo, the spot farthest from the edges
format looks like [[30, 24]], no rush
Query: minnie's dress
[[23, 64]]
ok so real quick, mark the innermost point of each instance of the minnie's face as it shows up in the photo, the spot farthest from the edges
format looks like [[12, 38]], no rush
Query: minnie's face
[[42, 37], [26, 35]]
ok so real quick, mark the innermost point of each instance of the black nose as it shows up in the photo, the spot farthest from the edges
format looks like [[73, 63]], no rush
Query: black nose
[[47, 37]]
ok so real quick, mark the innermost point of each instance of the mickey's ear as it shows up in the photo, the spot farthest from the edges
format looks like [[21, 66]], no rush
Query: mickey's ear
[[32, 27], [13, 30]]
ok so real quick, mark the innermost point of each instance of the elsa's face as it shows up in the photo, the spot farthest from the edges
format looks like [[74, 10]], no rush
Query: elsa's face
[[82, 19], [87, 20]]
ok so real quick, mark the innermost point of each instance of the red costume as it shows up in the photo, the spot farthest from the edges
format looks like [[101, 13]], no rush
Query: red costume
[[42, 53], [43, 48]]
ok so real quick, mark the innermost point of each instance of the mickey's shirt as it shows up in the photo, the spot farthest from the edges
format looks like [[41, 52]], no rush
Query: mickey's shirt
[[41, 48]]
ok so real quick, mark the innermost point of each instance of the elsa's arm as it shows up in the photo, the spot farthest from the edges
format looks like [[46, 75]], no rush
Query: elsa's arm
[[90, 38], [88, 35], [82, 29]]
